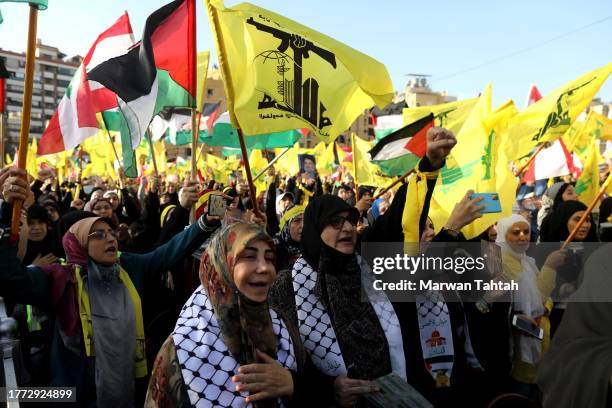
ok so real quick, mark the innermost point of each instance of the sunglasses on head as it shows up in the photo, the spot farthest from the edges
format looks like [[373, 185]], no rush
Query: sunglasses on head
[[337, 221], [102, 234]]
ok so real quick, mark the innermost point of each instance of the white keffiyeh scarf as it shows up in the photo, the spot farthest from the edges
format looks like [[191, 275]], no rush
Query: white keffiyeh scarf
[[316, 329], [206, 363]]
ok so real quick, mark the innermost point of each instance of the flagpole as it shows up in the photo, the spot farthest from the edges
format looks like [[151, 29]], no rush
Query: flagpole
[[227, 84], [148, 134], [526, 165], [588, 211], [355, 167], [390, 186], [26, 111], [247, 168], [281, 154]]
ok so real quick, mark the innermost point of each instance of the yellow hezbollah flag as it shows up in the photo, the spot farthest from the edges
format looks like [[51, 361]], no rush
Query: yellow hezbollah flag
[[365, 173], [478, 162], [202, 71], [580, 138], [31, 164], [587, 185], [280, 75], [288, 164], [550, 117], [449, 115], [325, 161]]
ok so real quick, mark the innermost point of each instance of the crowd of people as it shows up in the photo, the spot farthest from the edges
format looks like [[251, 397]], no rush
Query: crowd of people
[[134, 294]]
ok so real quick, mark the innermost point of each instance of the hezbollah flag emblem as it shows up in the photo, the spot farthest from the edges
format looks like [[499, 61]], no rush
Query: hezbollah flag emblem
[[280, 75]]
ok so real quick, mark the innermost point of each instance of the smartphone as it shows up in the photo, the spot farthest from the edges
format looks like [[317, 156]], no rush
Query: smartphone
[[528, 327], [490, 201], [216, 205]]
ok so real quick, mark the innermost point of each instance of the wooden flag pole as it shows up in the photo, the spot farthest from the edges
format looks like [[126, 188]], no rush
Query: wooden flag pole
[[390, 186], [148, 133], [533, 156], [588, 211], [247, 168], [26, 111], [281, 154]]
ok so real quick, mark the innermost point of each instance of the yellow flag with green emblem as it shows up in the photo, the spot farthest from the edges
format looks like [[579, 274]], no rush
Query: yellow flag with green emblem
[[478, 162], [449, 115], [587, 185], [280, 75], [581, 135], [550, 117]]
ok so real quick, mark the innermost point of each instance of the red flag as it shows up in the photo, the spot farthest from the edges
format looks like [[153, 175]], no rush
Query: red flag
[[533, 96]]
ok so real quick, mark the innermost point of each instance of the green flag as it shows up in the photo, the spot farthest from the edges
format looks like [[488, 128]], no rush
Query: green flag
[[41, 4]]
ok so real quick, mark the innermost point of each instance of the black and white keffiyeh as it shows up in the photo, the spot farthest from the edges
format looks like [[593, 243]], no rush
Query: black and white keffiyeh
[[206, 363], [316, 329]]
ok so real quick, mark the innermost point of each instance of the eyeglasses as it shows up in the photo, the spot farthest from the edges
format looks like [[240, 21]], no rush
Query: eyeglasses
[[338, 221], [102, 234]]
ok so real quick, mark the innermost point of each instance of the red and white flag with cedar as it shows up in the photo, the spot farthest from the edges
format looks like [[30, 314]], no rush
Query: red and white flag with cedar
[[75, 118]]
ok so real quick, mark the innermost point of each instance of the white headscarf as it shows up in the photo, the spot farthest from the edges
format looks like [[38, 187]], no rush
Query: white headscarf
[[528, 299]]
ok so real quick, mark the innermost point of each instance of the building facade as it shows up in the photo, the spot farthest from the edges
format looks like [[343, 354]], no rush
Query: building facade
[[52, 75]]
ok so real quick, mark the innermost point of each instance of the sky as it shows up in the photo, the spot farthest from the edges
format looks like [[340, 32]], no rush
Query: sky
[[463, 45]]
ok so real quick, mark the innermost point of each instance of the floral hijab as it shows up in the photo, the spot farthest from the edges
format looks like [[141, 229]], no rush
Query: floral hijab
[[245, 324]]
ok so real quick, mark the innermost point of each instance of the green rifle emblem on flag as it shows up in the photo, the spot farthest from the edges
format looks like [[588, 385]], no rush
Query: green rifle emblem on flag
[[487, 157], [452, 174], [583, 185], [442, 117], [561, 116]]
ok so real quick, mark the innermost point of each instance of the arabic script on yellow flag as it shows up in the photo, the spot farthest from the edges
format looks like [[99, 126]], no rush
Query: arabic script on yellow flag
[[280, 75], [550, 117]]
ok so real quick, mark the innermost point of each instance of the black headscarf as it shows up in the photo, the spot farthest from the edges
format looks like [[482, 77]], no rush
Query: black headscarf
[[318, 211], [558, 200], [557, 223], [43, 247], [360, 336], [605, 211]]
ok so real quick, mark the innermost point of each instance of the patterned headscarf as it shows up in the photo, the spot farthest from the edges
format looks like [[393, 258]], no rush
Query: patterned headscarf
[[245, 324]]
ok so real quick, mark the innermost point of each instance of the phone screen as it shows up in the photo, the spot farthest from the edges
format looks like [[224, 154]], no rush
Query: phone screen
[[528, 327]]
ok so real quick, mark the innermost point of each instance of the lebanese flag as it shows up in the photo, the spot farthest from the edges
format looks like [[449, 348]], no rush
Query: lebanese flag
[[554, 161], [158, 72], [75, 118], [400, 151], [3, 75], [533, 96]]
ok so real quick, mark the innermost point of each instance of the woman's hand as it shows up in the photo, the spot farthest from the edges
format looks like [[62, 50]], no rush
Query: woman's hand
[[16, 186], [465, 211], [46, 260], [264, 381], [555, 259], [348, 390]]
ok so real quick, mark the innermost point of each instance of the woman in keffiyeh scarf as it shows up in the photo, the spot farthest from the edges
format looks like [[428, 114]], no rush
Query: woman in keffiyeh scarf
[[229, 348]]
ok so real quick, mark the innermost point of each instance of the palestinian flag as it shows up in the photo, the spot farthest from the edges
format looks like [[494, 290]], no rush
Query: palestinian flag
[[387, 124], [158, 72], [399, 152], [3, 75], [75, 118], [172, 121], [223, 134]]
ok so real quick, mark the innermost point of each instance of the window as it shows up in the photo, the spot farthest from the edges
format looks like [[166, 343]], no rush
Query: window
[[209, 92], [62, 83]]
